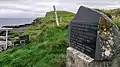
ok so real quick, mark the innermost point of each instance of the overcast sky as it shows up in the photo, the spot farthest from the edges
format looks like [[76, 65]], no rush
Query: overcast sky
[[36, 8]]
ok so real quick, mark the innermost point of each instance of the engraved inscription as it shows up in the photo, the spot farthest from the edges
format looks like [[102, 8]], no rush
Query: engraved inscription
[[83, 37]]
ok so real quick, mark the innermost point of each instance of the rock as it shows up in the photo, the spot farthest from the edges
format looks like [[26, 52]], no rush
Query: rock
[[3, 45]]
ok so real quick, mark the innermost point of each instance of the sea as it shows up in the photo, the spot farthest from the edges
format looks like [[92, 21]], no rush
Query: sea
[[15, 21]]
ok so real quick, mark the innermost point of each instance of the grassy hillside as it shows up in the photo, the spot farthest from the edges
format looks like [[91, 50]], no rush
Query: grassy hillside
[[47, 48], [48, 44], [60, 13], [49, 51]]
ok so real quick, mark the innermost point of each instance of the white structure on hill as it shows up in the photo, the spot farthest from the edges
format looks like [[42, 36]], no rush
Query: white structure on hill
[[4, 44]]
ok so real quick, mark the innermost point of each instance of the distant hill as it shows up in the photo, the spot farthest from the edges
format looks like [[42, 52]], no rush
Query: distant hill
[[112, 12], [63, 16], [60, 13]]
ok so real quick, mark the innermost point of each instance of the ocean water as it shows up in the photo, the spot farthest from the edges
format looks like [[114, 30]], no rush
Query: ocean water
[[15, 21]]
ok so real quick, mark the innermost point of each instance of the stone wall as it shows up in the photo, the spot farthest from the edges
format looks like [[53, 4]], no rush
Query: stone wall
[[78, 59]]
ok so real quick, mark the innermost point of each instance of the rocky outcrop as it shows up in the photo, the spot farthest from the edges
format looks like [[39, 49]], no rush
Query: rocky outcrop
[[17, 26], [3, 45]]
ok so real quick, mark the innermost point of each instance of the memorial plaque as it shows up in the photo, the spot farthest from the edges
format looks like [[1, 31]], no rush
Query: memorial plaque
[[88, 32], [83, 37]]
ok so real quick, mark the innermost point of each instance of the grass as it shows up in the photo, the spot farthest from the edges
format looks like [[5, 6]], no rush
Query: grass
[[50, 51], [60, 13], [117, 21], [47, 48]]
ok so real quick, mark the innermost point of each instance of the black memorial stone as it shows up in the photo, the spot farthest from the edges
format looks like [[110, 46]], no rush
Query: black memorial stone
[[83, 37], [86, 31]]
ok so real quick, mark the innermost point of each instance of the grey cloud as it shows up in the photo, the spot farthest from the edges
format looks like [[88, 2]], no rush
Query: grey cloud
[[35, 8], [23, 9], [73, 5], [27, 8]]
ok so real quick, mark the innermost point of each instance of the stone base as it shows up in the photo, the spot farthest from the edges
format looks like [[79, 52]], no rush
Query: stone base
[[76, 58]]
